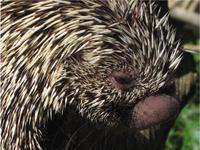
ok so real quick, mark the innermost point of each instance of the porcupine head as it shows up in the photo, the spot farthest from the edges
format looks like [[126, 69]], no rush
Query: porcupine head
[[99, 56]]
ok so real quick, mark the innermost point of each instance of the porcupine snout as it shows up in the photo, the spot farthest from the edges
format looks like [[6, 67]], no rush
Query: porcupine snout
[[150, 110]]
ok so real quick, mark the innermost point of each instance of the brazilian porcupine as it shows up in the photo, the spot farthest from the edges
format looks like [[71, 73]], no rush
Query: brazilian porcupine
[[104, 61]]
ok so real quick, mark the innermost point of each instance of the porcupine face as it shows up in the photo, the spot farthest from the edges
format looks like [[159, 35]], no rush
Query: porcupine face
[[130, 55]]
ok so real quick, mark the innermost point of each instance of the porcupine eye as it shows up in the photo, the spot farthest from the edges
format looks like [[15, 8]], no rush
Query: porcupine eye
[[122, 80]]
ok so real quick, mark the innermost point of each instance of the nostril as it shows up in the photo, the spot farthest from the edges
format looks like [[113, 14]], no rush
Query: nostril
[[122, 80]]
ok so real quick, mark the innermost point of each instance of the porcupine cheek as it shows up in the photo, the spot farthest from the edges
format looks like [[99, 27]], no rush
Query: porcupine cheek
[[154, 110]]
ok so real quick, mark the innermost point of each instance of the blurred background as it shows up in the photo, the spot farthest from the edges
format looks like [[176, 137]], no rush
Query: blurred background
[[185, 17]]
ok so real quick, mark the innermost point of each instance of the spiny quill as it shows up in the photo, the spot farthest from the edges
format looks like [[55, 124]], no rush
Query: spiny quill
[[57, 54]]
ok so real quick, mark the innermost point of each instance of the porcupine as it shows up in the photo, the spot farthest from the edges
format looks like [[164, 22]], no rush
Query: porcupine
[[104, 61]]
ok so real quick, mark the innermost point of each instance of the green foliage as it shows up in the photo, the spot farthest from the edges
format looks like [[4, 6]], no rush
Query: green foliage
[[197, 60], [186, 133]]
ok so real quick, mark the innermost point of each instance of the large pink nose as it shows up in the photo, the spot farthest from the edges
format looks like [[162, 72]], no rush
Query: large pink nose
[[154, 110], [122, 80]]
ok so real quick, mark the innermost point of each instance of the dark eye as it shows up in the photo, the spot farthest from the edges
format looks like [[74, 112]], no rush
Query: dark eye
[[123, 80]]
